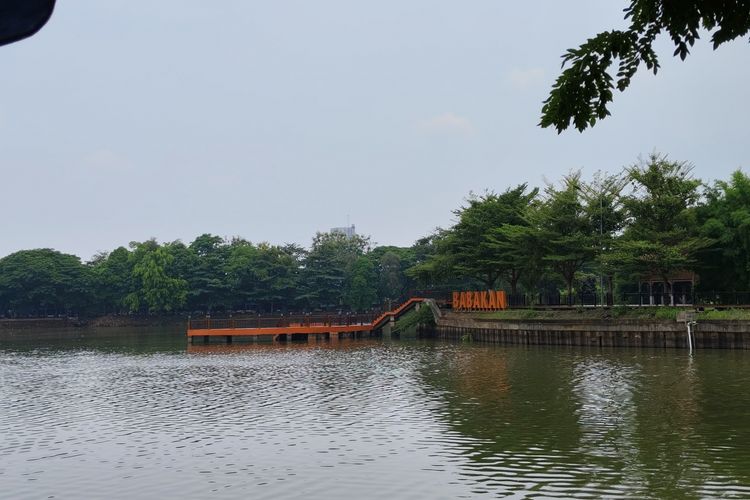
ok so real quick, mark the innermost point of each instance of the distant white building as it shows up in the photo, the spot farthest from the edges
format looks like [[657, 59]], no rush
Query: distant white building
[[349, 232]]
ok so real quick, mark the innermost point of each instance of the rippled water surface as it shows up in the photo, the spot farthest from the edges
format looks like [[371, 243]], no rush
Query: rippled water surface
[[144, 416]]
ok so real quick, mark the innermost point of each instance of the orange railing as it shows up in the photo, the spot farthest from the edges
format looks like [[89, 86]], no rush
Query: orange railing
[[296, 323], [279, 321], [395, 313]]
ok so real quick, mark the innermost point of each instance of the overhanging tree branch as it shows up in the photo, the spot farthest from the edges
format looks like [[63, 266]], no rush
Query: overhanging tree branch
[[582, 93]]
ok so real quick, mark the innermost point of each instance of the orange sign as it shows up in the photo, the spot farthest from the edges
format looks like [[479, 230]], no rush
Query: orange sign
[[489, 300]]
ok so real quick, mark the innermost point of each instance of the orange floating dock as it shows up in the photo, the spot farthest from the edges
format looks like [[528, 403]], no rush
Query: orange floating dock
[[287, 328]]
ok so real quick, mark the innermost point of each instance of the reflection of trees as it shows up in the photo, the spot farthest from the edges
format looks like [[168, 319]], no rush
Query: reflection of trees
[[604, 388], [515, 407], [136, 340], [653, 424], [665, 402], [488, 391], [692, 423], [722, 381]]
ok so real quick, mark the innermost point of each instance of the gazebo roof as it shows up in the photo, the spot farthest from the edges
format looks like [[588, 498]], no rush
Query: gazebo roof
[[683, 275]]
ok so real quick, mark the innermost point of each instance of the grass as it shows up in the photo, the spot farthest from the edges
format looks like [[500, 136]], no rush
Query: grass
[[617, 312], [742, 314], [412, 319]]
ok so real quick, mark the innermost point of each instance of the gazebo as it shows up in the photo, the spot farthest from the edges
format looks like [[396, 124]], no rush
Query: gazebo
[[680, 293]]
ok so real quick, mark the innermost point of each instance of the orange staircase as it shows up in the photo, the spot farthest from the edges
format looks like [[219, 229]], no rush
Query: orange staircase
[[396, 312]]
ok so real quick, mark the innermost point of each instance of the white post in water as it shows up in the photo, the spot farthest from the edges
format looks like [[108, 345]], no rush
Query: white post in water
[[689, 318]]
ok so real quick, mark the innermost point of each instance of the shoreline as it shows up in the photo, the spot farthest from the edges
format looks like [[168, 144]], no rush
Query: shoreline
[[42, 324], [513, 327], [593, 332]]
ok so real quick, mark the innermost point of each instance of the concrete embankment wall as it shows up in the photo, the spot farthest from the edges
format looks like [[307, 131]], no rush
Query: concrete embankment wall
[[97, 322], [34, 324], [718, 334], [65, 328]]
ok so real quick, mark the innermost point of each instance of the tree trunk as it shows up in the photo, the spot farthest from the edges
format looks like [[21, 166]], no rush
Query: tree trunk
[[570, 292], [490, 282], [513, 281]]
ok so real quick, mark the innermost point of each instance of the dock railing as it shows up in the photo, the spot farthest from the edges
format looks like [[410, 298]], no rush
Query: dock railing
[[209, 323]]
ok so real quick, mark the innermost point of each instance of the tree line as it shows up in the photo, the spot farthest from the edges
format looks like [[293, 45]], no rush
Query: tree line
[[648, 222], [208, 275], [651, 220]]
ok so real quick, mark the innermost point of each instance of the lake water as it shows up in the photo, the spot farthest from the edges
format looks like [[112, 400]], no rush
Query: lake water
[[141, 415]]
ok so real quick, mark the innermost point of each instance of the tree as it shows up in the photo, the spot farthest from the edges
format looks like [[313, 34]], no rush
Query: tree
[[519, 250], [112, 279], [470, 249], [725, 220], [391, 265], [361, 286], [155, 290], [391, 277], [240, 275], [509, 244], [327, 266], [265, 275], [661, 237], [433, 260], [466, 241], [564, 230], [606, 214], [207, 281], [582, 92], [43, 281]]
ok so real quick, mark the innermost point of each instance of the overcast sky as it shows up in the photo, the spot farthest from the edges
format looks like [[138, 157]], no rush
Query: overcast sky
[[272, 120]]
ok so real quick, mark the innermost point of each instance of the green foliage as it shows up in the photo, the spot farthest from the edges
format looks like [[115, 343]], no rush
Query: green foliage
[[392, 264], [661, 237], [391, 275], [725, 220], [155, 290], [607, 217], [564, 229], [645, 223], [264, 275], [617, 312], [566, 238], [208, 275], [414, 319], [665, 313], [725, 314], [473, 248], [434, 262], [361, 286], [582, 93], [43, 281], [327, 268], [517, 248], [111, 280]]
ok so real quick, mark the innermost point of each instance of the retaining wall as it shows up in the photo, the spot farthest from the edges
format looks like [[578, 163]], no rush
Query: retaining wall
[[716, 334]]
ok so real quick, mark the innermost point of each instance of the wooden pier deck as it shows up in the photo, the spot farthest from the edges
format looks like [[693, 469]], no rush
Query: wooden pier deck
[[294, 327]]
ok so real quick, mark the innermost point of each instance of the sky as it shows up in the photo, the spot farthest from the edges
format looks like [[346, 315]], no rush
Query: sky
[[121, 121]]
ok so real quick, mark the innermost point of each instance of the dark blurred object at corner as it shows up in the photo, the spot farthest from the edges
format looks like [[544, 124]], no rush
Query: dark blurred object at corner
[[20, 19]]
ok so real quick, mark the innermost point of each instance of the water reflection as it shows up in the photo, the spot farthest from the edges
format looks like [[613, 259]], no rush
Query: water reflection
[[267, 421], [524, 428], [565, 423], [156, 417]]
